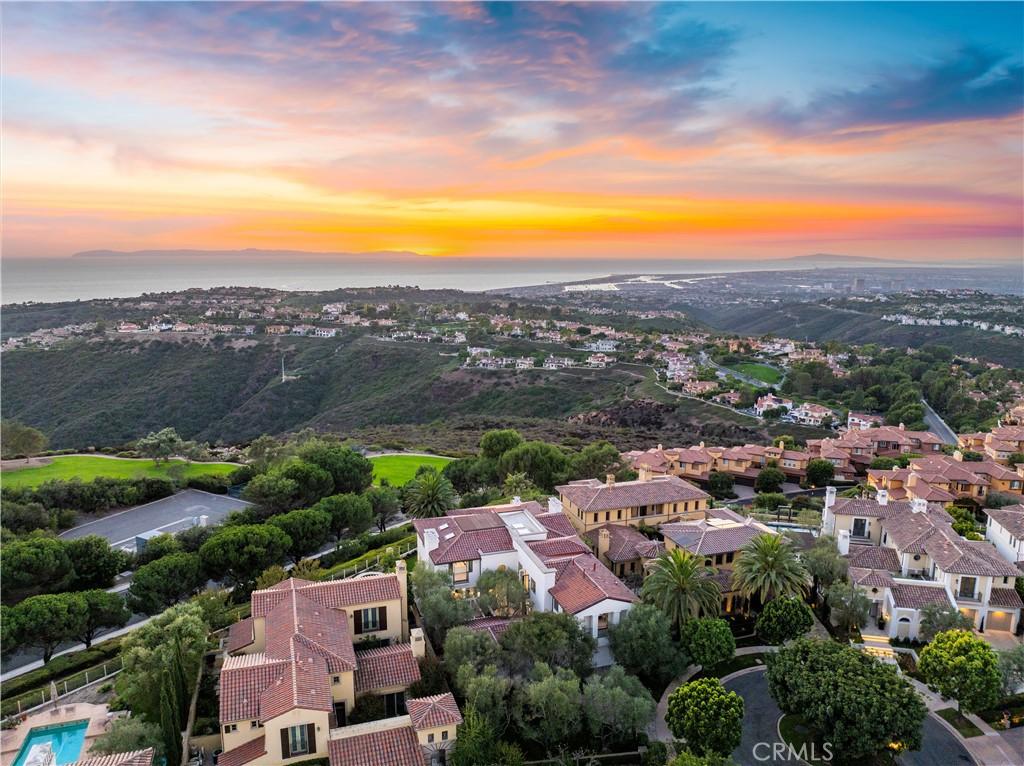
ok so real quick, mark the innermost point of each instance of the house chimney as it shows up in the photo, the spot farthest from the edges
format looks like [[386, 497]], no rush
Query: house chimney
[[609, 479], [702, 445], [902, 427], [843, 542], [958, 455], [430, 540], [418, 643], [882, 497], [830, 496], [604, 542], [402, 573], [516, 500], [782, 444], [919, 505], [660, 448]]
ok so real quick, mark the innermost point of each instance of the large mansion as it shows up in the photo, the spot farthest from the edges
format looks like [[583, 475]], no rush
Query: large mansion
[[649, 501], [905, 555], [299, 668]]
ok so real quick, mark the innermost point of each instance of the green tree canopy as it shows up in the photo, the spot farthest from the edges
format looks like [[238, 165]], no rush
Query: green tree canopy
[[126, 735], [706, 716], [938, 618], [47, 621], [820, 472], [824, 563], [769, 479], [783, 619], [488, 692], [494, 444], [429, 495], [102, 611], [166, 581], [272, 493], [440, 609], [464, 646], [962, 666], [547, 707], [478, 743], [94, 561], [826, 682], [384, 504], [20, 439], [349, 514], [767, 566], [642, 643], [720, 485], [849, 607], [595, 461], [681, 586], [555, 639], [707, 640], [501, 592], [36, 563], [312, 482], [616, 706], [545, 464], [159, 445], [349, 471], [307, 528], [242, 552]]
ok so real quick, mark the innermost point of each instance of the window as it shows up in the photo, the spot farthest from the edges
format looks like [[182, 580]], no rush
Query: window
[[336, 680], [607, 515], [254, 724], [461, 571], [230, 727], [618, 515], [860, 528], [430, 738], [602, 625], [394, 704], [371, 619], [967, 585], [298, 741], [728, 557], [444, 734]]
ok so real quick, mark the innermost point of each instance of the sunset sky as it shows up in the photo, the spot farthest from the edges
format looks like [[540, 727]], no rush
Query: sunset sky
[[528, 130]]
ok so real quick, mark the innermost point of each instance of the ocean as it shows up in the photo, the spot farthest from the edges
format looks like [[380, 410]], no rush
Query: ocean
[[68, 279]]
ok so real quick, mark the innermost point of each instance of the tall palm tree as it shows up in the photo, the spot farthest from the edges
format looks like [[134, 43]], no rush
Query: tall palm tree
[[428, 495], [681, 586], [768, 567]]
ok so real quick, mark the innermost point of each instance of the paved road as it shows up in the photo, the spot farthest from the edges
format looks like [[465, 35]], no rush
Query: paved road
[[760, 725], [937, 425], [171, 514]]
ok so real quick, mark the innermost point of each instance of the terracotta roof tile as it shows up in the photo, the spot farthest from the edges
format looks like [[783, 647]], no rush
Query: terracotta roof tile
[[585, 581], [244, 753], [386, 666], [337, 594], [390, 747], [874, 557], [871, 578], [1010, 518], [429, 712], [240, 635], [494, 626], [1006, 597], [917, 596], [130, 758], [721, 533], [595, 495], [625, 543]]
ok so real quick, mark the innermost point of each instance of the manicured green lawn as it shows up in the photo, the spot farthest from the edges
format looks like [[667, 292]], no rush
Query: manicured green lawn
[[398, 469], [87, 468], [722, 669], [762, 372]]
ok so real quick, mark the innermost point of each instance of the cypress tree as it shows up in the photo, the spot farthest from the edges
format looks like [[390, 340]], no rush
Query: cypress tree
[[169, 728], [181, 683]]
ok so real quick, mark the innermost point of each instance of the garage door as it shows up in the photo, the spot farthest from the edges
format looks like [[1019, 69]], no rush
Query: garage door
[[999, 621]]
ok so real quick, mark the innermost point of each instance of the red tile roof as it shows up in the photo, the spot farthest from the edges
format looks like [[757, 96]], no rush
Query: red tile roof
[[242, 681], [871, 578], [558, 547], [429, 712], [584, 581], [874, 557], [1010, 518], [725, 531], [466, 538], [557, 524], [249, 751], [385, 667], [625, 543], [917, 596], [130, 758], [1006, 597], [390, 747], [240, 635], [596, 495], [337, 594], [494, 626]]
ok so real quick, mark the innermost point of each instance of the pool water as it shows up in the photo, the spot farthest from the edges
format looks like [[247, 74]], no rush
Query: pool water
[[66, 739]]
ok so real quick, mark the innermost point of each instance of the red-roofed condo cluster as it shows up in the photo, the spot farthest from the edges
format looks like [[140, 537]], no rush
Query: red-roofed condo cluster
[[313, 652]]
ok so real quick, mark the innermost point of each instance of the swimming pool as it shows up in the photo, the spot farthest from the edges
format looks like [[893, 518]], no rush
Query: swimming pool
[[66, 739]]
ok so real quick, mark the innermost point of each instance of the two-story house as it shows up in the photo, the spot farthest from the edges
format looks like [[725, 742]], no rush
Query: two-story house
[[718, 537], [998, 444], [555, 566], [313, 652], [863, 446], [931, 564], [945, 479], [623, 549], [1005, 530], [652, 501]]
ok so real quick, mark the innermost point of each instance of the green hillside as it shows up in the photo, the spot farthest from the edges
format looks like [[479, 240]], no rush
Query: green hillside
[[811, 321]]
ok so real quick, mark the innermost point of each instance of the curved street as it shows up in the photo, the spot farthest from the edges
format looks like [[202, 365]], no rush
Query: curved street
[[760, 730]]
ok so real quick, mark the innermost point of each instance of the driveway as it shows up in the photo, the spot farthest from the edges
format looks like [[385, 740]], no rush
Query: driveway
[[760, 725]]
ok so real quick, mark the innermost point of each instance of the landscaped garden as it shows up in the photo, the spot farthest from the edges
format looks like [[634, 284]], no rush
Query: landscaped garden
[[89, 467], [399, 469]]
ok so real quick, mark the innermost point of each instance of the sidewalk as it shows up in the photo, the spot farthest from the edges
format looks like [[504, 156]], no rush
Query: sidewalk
[[990, 749]]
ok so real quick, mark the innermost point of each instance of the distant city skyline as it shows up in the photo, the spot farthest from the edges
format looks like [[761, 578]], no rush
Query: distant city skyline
[[743, 131]]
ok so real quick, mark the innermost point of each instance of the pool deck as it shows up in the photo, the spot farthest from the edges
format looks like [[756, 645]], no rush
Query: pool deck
[[12, 739]]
